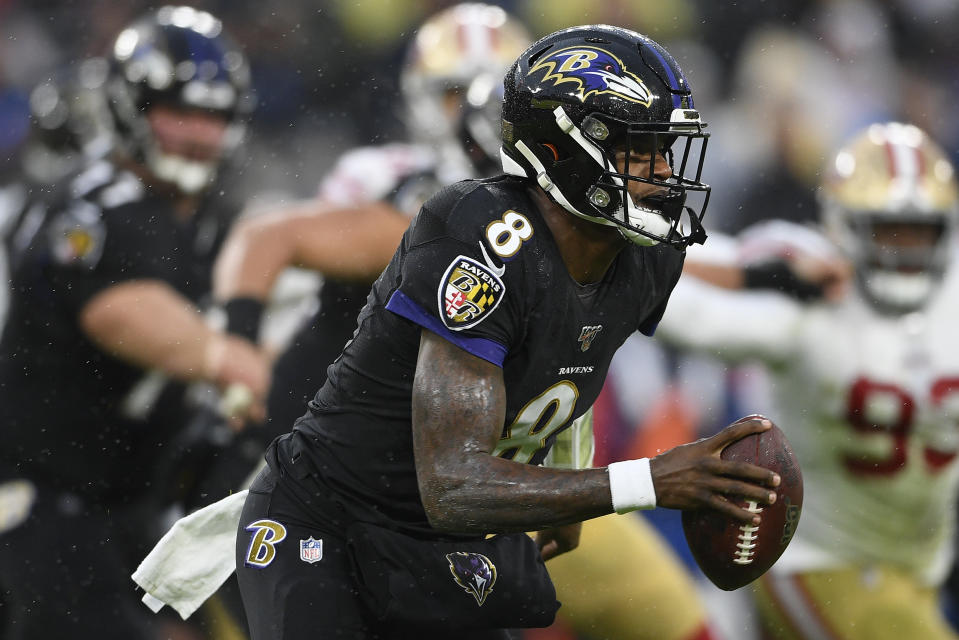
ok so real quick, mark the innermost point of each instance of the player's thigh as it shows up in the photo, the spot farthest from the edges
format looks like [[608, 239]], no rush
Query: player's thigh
[[849, 604], [297, 591], [624, 582], [295, 581]]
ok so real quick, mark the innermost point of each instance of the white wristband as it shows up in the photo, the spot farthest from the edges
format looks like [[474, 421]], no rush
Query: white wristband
[[631, 485]]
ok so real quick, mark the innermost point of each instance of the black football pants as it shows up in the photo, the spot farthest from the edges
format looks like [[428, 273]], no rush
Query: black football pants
[[289, 598]]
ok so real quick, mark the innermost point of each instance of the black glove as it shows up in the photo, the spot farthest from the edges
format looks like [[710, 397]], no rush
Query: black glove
[[778, 275]]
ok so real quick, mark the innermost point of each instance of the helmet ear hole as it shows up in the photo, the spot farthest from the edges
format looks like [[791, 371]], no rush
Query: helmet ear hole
[[552, 149]]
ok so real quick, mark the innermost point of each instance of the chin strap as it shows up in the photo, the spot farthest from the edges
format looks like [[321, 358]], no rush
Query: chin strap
[[899, 290], [547, 185], [567, 126]]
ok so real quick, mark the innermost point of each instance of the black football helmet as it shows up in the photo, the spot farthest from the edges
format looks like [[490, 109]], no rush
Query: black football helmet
[[69, 125], [177, 56], [577, 97]]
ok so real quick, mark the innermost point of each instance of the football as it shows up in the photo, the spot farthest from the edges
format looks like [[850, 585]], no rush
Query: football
[[732, 554]]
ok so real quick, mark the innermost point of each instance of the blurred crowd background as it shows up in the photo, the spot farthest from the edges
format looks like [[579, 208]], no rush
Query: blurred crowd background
[[781, 85]]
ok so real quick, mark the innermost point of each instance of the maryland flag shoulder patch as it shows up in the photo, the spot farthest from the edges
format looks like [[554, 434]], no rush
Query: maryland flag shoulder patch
[[468, 292], [77, 237]]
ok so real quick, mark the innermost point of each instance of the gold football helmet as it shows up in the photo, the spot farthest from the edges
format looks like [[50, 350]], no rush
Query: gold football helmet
[[453, 75], [890, 202]]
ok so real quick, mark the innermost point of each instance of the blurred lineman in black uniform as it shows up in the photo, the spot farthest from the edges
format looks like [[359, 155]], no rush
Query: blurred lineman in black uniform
[[104, 312], [69, 127], [488, 334]]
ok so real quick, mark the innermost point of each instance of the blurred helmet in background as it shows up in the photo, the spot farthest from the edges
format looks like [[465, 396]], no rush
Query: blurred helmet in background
[[69, 123], [180, 58], [577, 98], [452, 79], [890, 202]]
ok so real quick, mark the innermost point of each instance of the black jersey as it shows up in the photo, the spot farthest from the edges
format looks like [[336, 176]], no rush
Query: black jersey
[[301, 368], [480, 268], [402, 175], [73, 415]]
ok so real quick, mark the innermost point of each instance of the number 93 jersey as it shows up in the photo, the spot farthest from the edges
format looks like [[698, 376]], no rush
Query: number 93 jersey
[[870, 403], [478, 267]]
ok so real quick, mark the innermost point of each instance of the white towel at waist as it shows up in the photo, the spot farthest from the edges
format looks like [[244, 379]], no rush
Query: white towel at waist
[[193, 559]]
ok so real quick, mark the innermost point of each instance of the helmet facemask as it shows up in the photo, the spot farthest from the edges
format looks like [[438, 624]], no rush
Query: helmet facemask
[[900, 260], [599, 163], [661, 214], [479, 131], [191, 171]]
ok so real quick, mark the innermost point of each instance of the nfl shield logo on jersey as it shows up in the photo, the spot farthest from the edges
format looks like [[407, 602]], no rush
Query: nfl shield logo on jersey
[[311, 550]]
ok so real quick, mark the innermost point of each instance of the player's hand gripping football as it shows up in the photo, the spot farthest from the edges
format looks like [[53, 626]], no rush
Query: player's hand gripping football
[[693, 476], [242, 371]]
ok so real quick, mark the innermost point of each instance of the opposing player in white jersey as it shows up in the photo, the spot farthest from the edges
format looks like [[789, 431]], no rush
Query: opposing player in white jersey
[[867, 390]]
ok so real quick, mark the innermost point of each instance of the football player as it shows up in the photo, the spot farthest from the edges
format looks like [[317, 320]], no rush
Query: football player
[[866, 389], [68, 128], [104, 310], [451, 83], [487, 335]]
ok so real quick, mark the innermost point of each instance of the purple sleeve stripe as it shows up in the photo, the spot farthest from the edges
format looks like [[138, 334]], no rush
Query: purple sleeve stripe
[[489, 350]]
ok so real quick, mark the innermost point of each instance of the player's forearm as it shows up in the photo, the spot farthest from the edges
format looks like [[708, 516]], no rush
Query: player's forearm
[[727, 276], [458, 411], [730, 325], [495, 495], [254, 255], [148, 324], [353, 244]]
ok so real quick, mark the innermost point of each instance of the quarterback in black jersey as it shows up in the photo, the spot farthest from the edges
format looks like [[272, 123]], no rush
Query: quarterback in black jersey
[[104, 311], [488, 334], [478, 247]]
